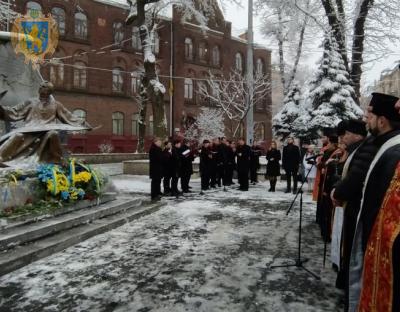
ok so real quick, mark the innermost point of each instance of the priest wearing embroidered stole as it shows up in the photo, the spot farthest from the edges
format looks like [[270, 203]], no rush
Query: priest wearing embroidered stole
[[374, 272]]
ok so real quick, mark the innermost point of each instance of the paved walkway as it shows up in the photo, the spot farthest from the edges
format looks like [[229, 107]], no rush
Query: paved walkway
[[199, 253]]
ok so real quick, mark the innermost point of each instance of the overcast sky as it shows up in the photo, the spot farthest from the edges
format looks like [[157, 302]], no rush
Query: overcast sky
[[238, 17]]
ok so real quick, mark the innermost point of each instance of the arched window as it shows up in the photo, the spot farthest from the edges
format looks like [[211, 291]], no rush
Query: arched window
[[239, 62], [80, 114], [118, 32], [188, 89], [33, 8], [188, 49], [259, 131], [203, 52], [117, 80], [136, 43], [135, 82], [135, 124], [156, 43], [57, 72], [59, 16], [80, 77], [215, 56], [81, 25], [118, 123], [260, 67]]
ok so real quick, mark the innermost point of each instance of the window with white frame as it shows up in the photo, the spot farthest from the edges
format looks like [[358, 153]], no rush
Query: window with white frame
[[215, 56], [59, 16], [188, 89], [135, 82], [80, 76], [156, 43], [117, 80], [81, 25], [260, 66], [188, 49], [118, 32], [239, 62], [135, 124], [203, 52], [80, 114], [118, 123]]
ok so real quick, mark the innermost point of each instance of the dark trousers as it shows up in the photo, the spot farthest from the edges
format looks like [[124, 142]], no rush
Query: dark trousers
[[205, 181], [228, 174], [167, 184], [272, 183], [155, 188], [185, 179], [289, 175], [253, 174], [174, 185], [213, 176], [220, 174], [243, 179]]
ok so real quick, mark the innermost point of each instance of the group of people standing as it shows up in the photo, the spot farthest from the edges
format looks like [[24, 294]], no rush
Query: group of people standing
[[357, 189]]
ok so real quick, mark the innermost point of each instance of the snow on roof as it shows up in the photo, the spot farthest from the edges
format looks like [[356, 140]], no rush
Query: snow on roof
[[123, 4]]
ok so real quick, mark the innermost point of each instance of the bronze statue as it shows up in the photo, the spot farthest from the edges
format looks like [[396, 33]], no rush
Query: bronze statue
[[43, 117]]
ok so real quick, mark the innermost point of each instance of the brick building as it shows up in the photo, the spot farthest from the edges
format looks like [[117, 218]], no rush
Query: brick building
[[97, 66]]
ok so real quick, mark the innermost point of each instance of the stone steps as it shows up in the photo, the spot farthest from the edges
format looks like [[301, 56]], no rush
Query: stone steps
[[63, 236], [19, 235]]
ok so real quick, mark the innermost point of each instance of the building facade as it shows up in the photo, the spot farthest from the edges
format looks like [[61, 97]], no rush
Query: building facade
[[98, 65], [389, 81]]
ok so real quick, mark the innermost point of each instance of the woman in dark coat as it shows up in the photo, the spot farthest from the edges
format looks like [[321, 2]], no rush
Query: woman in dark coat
[[273, 166]]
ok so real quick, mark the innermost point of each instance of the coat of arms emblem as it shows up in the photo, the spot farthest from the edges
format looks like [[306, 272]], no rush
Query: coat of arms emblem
[[35, 36]]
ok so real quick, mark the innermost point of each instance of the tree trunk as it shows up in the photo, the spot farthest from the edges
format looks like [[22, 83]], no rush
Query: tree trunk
[[337, 28], [281, 57], [358, 45], [142, 125]]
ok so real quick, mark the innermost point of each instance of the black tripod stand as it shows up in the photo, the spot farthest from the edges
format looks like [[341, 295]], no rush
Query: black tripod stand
[[298, 262]]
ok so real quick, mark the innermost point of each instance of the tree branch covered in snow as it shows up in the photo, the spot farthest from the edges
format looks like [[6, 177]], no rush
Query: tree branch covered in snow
[[229, 94], [208, 125]]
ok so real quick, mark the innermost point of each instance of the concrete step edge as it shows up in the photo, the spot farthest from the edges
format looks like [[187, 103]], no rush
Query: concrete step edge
[[24, 255], [50, 226]]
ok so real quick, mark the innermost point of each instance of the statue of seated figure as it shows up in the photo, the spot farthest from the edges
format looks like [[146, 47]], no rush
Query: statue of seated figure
[[44, 117]]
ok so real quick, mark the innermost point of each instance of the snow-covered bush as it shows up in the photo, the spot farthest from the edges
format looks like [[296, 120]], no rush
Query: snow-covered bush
[[209, 125]]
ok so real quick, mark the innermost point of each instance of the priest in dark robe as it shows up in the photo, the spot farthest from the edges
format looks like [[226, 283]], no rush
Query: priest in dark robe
[[374, 272]]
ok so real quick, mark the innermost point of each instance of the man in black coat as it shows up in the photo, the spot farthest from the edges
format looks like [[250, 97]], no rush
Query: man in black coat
[[205, 160], [177, 166], [348, 189], [290, 162], [220, 159], [186, 166], [243, 152], [229, 162], [254, 162], [156, 171], [375, 255], [168, 167]]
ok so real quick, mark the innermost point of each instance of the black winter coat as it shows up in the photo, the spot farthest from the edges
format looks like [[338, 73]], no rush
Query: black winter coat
[[205, 161], [273, 167], [291, 157], [255, 157], [186, 161], [243, 158], [167, 163], [156, 162], [176, 162]]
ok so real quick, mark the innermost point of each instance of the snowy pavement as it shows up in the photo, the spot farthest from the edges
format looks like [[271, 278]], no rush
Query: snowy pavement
[[198, 253]]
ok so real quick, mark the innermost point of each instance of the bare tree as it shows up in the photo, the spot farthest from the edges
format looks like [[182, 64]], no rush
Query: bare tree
[[288, 27], [143, 14], [230, 94], [362, 27]]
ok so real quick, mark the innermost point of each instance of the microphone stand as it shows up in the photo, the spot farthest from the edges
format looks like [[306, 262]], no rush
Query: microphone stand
[[298, 262]]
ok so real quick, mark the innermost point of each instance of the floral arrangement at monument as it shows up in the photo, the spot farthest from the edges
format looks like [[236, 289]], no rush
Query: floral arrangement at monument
[[70, 182]]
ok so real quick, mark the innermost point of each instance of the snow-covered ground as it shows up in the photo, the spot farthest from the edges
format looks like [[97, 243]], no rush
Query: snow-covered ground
[[207, 252]]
